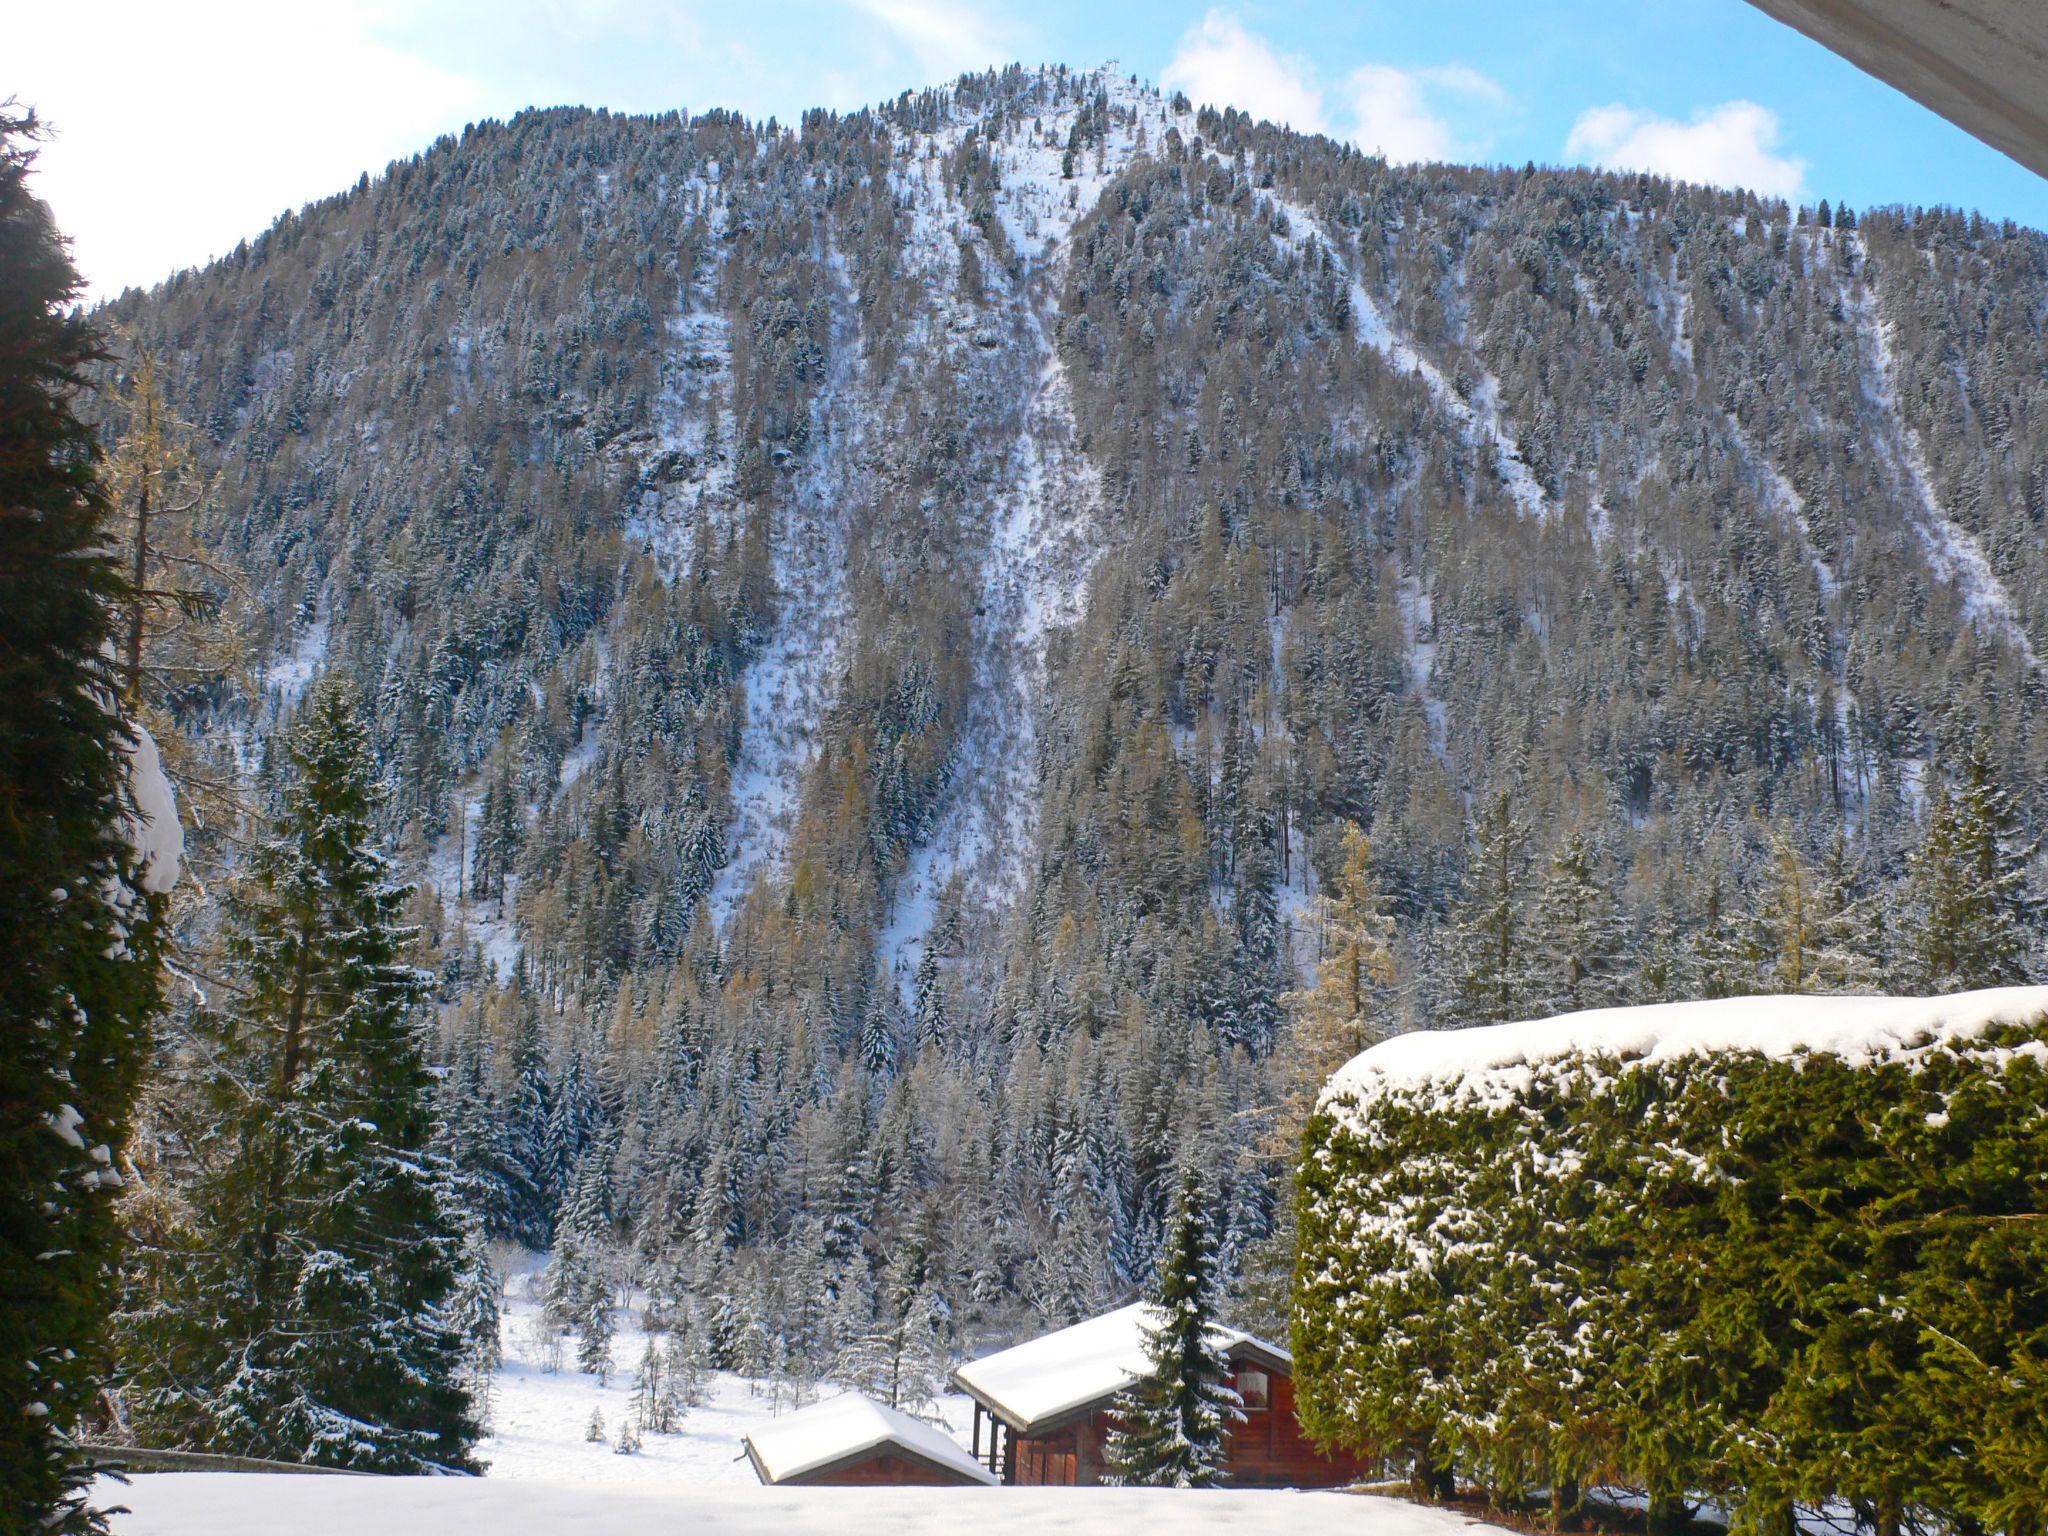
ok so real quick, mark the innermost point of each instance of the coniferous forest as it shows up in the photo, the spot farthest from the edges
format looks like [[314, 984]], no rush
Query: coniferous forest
[[805, 715]]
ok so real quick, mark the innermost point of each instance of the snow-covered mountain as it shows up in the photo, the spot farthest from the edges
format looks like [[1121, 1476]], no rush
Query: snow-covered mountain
[[880, 626]]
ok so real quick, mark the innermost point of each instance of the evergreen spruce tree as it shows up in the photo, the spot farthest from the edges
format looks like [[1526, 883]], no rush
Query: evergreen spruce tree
[[929, 1003], [1723, 961], [686, 1365], [476, 1312], [532, 1197], [1839, 958], [653, 1406], [894, 1347], [1255, 975], [79, 926], [1171, 1425], [1971, 910], [578, 1283], [1491, 977], [307, 1317], [478, 1138], [498, 835], [1577, 936]]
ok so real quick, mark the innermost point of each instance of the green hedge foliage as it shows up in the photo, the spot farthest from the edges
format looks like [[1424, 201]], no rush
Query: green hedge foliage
[[1769, 1283]]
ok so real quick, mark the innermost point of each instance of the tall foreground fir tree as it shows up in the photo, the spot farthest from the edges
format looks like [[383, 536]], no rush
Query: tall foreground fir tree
[[304, 1314], [1171, 1424], [78, 925]]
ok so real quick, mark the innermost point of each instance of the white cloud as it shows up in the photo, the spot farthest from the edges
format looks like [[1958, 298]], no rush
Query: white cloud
[[1399, 113], [948, 38], [1220, 64], [1392, 119], [1732, 145], [1466, 81], [183, 130]]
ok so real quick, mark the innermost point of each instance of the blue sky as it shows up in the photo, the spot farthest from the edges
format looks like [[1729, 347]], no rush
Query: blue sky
[[191, 126]]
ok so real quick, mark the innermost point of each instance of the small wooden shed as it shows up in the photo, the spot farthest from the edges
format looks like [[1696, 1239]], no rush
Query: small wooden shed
[[853, 1441], [1042, 1409]]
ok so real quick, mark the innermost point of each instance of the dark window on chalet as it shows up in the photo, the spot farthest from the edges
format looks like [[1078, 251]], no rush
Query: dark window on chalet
[[1256, 1388]]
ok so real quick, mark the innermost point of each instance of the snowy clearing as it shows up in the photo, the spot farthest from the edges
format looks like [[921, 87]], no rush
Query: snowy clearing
[[539, 1417], [256, 1504]]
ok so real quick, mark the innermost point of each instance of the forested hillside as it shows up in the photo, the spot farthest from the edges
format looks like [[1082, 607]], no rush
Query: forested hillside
[[879, 631]]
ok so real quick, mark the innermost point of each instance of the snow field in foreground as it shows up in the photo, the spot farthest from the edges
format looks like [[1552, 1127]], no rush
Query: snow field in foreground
[[260, 1504]]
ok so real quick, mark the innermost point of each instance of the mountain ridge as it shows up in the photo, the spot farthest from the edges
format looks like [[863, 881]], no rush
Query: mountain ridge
[[879, 629]]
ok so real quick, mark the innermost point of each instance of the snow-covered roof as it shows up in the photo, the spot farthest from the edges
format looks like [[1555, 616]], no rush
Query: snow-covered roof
[[1039, 1382], [1494, 1062], [841, 1428]]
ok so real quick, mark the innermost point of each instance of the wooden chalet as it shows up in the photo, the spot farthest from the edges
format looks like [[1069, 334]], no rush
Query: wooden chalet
[[1042, 1409], [853, 1441]]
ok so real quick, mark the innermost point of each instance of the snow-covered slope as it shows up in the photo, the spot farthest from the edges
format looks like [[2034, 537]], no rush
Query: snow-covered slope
[[790, 685]]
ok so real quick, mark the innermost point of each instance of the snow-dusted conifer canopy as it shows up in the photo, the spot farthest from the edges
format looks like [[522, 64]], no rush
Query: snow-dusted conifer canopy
[[1496, 1063]]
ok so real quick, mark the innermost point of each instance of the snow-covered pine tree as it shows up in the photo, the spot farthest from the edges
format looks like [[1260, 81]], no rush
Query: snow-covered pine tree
[[527, 1113], [595, 1329], [896, 1352], [686, 1365], [578, 1290], [1722, 961], [1171, 1425], [1968, 901], [1810, 925], [79, 982], [1577, 937], [308, 1317], [919, 1358], [477, 1134], [1257, 967], [478, 1317], [929, 1003], [652, 1404], [1972, 911], [498, 834], [1490, 976]]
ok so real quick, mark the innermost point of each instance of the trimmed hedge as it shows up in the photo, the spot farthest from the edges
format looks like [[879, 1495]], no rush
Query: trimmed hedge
[[1762, 1281]]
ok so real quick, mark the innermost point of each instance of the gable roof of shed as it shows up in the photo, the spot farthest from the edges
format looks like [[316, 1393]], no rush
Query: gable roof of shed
[[1044, 1382], [844, 1429]]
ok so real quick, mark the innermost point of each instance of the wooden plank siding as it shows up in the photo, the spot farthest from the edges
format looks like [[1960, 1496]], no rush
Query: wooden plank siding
[[1268, 1450], [880, 1467]]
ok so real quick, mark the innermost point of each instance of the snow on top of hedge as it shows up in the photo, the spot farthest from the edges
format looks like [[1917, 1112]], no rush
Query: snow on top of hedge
[[1494, 1063]]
